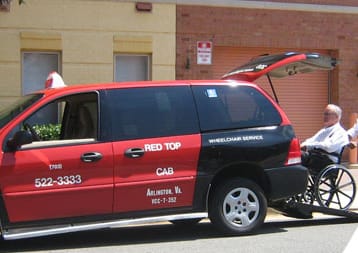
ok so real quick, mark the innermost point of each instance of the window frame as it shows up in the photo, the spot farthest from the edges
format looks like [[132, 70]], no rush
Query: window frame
[[44, 52], [148, 61]]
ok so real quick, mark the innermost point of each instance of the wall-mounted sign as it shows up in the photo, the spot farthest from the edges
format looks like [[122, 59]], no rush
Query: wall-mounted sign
[[204, 52]]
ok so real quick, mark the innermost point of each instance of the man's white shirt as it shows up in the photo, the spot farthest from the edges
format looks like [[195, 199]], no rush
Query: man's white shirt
[[331, 139]]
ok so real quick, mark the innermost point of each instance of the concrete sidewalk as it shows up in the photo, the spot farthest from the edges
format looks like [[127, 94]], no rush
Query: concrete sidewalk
[[353, 169]]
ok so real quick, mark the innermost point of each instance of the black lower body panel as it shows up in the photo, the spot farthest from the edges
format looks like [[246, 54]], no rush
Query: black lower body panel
[[285, 182]]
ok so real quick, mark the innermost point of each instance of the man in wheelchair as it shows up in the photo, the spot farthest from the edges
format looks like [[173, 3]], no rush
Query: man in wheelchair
[[326, 145], [330, 184], [322, 149]]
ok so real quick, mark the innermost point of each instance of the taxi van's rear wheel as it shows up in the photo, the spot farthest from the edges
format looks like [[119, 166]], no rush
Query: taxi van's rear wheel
[[237, 206]]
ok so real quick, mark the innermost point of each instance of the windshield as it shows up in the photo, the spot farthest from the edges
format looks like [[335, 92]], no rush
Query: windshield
[[16, 108]]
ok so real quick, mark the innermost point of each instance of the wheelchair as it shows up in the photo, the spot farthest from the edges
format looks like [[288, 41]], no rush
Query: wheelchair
[[332, 186]]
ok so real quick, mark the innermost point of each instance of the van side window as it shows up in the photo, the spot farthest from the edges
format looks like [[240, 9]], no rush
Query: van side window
[[67, 118], [152, 112], [229, 107], [81, 122]]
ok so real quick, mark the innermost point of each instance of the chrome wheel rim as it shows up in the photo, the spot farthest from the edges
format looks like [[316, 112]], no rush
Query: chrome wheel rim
[[241, 207]]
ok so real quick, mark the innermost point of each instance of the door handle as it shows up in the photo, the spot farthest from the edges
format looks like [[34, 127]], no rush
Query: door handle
[[91, 157], [134, 152]]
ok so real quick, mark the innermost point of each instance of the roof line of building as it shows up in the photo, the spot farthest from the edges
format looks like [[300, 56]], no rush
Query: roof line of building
[[252, 4]]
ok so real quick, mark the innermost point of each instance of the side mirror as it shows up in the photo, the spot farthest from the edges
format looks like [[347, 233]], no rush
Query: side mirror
[[20, 138]]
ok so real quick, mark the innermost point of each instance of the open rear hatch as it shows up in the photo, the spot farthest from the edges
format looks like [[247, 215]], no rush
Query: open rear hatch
[[281, 65]]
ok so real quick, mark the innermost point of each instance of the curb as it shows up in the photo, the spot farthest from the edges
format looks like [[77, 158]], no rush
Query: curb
[[351, 166]]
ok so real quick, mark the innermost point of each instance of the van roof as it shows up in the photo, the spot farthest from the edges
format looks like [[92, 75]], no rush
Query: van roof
[[137, 84]]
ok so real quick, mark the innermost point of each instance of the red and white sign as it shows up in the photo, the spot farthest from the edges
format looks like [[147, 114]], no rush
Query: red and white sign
[[204, 52]]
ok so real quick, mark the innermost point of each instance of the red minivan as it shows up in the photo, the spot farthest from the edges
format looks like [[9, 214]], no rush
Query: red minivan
[[95, 156]]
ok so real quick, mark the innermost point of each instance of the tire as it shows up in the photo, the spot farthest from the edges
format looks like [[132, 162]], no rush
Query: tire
[[335, 187], [237, 206]]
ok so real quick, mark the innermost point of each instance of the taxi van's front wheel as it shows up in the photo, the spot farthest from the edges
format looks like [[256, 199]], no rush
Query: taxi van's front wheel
[[238, 206]]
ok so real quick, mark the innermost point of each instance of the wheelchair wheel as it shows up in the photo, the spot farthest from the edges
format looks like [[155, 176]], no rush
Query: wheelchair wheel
[[335, 187]]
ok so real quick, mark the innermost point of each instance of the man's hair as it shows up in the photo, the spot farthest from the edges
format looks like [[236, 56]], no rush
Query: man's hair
[[336, 109]]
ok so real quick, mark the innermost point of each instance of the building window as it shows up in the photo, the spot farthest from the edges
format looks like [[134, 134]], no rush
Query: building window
[[35, 68], [132, 67]]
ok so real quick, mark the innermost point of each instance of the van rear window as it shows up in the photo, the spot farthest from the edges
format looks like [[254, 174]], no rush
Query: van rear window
[[230, 107]]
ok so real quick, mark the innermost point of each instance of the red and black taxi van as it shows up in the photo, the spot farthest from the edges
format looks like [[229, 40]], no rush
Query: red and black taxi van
[[95, 156]]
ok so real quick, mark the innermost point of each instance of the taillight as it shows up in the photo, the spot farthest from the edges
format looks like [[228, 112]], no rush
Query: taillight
[[294, 153]]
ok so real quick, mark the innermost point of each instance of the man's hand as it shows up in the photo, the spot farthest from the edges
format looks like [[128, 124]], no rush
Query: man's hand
[[352, 144]]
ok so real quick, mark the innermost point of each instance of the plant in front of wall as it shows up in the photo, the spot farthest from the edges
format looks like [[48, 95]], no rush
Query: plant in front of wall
[[48, 132]]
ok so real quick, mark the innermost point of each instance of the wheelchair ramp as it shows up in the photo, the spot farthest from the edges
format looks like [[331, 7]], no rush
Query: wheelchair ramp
[[308, 209]]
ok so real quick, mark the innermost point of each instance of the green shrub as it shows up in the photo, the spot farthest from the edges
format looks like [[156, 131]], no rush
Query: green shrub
[[48, 132]]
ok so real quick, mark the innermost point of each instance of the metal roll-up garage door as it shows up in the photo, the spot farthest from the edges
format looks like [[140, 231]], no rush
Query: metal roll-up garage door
[[303, 97]]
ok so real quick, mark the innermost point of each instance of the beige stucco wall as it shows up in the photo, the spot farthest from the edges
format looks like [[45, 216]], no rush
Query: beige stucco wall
[[87, 33]]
